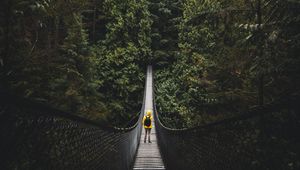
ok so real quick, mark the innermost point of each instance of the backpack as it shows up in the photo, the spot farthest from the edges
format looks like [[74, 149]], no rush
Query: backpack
[[147, 121]]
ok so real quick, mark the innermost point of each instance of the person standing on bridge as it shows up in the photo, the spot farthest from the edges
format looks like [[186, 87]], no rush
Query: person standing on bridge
[[147, 122]]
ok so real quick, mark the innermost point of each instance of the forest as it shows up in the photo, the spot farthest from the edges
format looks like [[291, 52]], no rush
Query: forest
[[212, 58], [225, 84]]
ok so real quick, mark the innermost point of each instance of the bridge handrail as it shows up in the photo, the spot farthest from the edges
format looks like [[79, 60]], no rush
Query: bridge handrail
[[37, 136], [245, 141]]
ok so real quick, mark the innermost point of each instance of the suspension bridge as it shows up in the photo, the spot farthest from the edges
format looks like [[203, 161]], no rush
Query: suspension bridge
[[34, 136]]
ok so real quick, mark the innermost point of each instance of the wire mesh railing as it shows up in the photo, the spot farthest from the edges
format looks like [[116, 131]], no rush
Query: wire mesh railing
[[39, 137], [263, 138]]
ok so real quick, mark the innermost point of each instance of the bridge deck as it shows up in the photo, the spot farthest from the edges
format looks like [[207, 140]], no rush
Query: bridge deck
[[148, 155]]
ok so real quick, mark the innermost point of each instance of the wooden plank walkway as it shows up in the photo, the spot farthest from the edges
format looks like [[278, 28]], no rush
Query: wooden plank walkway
[[148, 154]]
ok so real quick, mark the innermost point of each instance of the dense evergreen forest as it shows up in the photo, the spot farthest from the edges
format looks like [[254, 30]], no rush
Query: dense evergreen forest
[[85, 57], [212, 58], [229, 56]]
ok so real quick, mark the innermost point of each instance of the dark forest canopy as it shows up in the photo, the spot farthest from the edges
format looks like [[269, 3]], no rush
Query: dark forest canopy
[[230, 56], [85, 57], [88, 57]]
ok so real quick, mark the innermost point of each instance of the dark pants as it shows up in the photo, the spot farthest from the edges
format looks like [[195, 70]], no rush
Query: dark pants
[[147, 132]]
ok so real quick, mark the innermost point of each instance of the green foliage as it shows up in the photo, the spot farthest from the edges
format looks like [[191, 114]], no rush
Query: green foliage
[[223, 52], [164, 31], [89, 57], [49, 53], [123, 55], [121, 80]]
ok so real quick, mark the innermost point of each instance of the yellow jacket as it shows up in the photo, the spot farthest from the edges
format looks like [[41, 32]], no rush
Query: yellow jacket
[[147, 127]]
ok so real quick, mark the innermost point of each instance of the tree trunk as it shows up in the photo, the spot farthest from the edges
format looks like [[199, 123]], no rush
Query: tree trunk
[[7, 29], [94, 23], [56, 31], [260, 53], [49, 33]]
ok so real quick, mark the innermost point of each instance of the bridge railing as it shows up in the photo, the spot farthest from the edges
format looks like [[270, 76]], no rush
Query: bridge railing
[[39, 137], [258, 139]]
